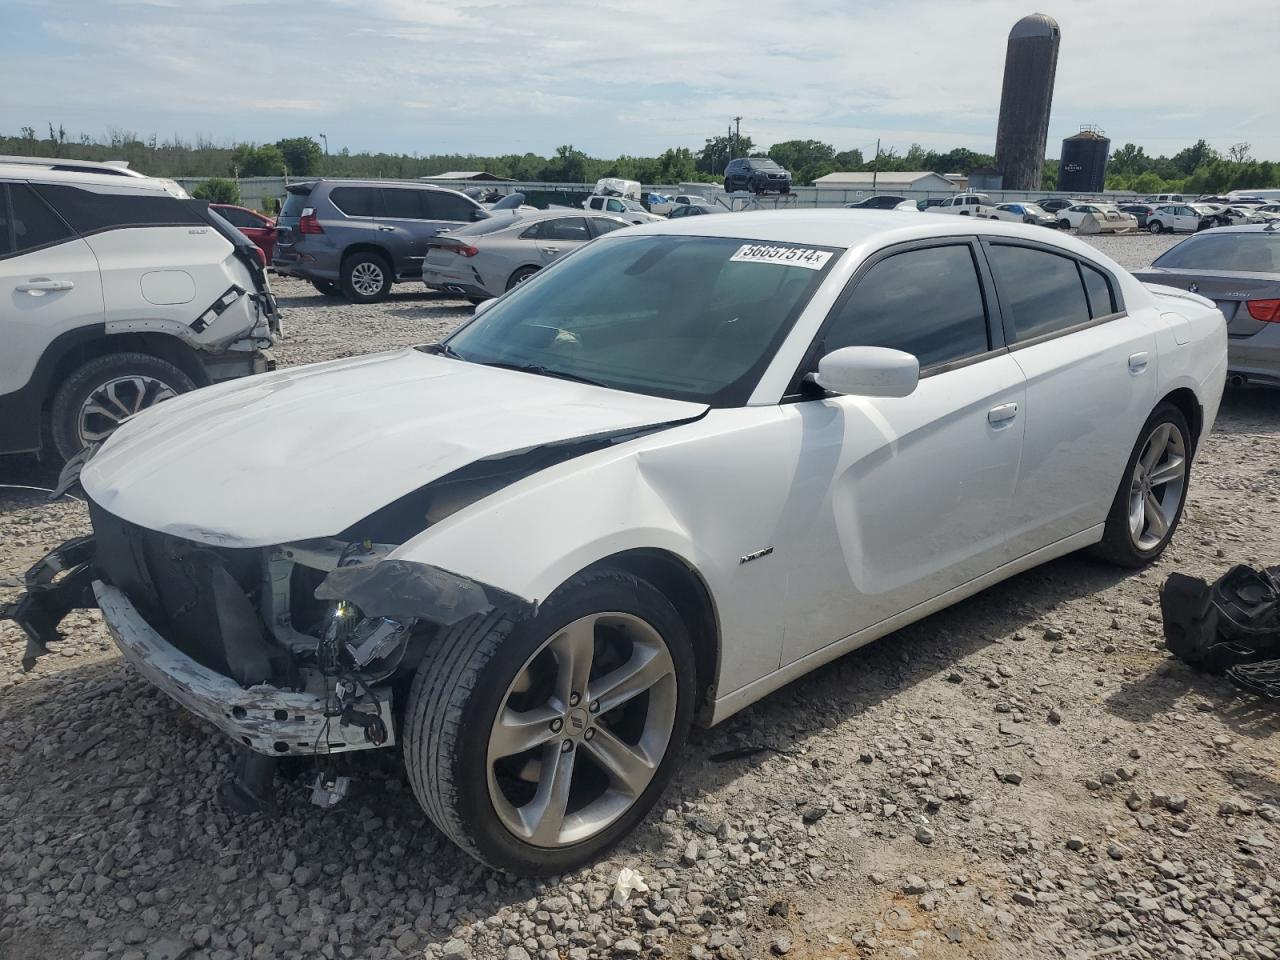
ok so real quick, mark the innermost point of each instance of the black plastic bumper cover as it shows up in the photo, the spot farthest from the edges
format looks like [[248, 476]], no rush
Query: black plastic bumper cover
[[61, 582]]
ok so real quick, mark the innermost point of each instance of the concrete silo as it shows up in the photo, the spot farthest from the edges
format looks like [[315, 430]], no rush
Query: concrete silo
[[1029, 68]]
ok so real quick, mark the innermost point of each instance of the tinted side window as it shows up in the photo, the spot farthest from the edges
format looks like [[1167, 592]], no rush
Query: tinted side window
[[1098, 287], [603, 226], [1042, 290], [568, 228], [30, 223], [401, 204], [353, 201], [238, 218], [615, 206], [441, 205], [90, 212], [927, 302]]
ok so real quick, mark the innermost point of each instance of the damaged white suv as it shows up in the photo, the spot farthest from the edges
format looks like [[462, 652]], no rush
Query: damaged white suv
[[672, 472], [118, 292]]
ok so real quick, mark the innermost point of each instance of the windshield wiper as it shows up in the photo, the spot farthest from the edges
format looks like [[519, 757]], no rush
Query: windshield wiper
[[541, 371], [443, 350]]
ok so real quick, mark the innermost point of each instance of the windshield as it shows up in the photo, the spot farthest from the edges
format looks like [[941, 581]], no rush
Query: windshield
[[1034, 210], [1240, 252], [690, 318], [634, 205]]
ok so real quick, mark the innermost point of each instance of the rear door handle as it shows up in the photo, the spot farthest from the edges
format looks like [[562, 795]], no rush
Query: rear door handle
[[386, 229], [1138, 362], [39, 286], [1002, 414]]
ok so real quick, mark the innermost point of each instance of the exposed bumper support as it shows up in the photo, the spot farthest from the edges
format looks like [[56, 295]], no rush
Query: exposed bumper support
[[50, 597], [265, 719]]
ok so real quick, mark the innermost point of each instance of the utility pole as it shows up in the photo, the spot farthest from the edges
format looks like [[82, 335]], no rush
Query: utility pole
[[326, 144], [875, 167], [737, 133]]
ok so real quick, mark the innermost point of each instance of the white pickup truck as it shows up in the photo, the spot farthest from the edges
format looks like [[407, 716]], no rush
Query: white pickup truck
[[968, 205]]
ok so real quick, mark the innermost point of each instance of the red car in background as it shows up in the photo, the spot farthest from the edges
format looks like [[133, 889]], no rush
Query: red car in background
[[258, 227]]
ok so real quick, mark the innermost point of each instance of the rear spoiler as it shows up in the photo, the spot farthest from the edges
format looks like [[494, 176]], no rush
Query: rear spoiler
[[1177, 293]]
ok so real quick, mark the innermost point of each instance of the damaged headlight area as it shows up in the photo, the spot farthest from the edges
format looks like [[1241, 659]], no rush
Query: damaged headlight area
[[295, 649]]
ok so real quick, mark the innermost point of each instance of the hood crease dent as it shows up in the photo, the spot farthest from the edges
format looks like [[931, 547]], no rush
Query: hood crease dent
[[307, 452]]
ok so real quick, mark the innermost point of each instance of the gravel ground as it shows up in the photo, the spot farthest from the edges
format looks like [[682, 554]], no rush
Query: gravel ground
[[1024, 775]]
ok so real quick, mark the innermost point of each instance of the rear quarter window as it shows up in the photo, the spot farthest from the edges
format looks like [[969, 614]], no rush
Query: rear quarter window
[[353, 201], [1042, 290], [90, 212]]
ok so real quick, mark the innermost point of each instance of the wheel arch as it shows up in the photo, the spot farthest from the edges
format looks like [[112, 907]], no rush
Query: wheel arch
[[366, 247], [1189, 405], [689, 594]]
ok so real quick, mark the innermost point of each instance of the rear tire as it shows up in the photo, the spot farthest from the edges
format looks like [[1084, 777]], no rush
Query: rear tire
[[479, 783], [1064, 224], [1155, 226], [1153, 491], [101, 392], [327, 288], [520, 276], [366, 278]]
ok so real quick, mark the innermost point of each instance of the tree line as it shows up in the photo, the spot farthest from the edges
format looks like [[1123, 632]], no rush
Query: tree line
[[1196, 169]]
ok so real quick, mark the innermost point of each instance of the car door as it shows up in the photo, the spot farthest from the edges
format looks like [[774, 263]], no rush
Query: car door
[[898, 500], [555, 238], [404, 227], [1090, 371], [49, 285]]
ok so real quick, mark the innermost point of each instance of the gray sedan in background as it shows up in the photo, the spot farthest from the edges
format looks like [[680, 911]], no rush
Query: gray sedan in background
[[1238, 268], [484, 260]]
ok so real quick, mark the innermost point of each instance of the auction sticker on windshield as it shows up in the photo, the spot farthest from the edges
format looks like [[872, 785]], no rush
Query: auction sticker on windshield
[[806, 257]]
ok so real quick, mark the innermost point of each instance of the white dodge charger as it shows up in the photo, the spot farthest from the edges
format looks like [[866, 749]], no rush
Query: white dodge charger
[[674, 471]]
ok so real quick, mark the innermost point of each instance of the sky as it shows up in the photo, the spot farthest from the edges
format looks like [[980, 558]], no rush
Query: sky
[[500, 76]]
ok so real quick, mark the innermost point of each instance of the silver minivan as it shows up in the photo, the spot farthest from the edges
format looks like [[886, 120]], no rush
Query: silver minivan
[[355, 238]]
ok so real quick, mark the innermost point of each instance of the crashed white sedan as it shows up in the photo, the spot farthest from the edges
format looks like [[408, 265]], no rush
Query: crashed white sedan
[[679, 468]]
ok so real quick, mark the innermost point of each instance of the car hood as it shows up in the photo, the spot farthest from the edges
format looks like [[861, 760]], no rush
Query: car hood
[[307, 452]]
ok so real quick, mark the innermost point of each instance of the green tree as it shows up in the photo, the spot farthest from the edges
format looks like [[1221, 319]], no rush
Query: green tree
[[1129, 159], [567, 166], [218, 190], [1148, 182], [250, 161], [802, 157], [718, 151], [302, 155], [1197, 155]]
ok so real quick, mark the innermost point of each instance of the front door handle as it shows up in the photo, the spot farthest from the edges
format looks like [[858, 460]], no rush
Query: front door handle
[[1002, 414], [386, 229], [550, 249], [1138, 362], [39, 286]]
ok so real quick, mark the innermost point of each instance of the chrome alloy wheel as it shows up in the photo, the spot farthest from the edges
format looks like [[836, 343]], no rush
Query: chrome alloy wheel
[[1155, 490], [582, 729], [367, 279], [112, 402]]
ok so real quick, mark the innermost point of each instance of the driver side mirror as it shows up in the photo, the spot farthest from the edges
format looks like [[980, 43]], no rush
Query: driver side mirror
[[482, 306], [868, 372]]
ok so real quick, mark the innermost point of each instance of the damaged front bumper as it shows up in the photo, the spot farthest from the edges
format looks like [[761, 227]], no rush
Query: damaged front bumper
[[269, 687], [265, 719]]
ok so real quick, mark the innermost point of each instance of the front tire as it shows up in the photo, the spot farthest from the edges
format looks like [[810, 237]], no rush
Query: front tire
[[1148, 505], [366, 278], [535, 746], [1155, 226], [91, 402]]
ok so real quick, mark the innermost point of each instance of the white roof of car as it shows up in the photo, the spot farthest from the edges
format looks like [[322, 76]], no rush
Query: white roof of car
[[846, 228], [24, 171]]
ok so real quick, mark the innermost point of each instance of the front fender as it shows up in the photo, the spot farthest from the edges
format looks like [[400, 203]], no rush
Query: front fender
[[532, 537]]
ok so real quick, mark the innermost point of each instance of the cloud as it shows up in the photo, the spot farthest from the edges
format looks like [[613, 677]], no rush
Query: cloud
[[611, 77]]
